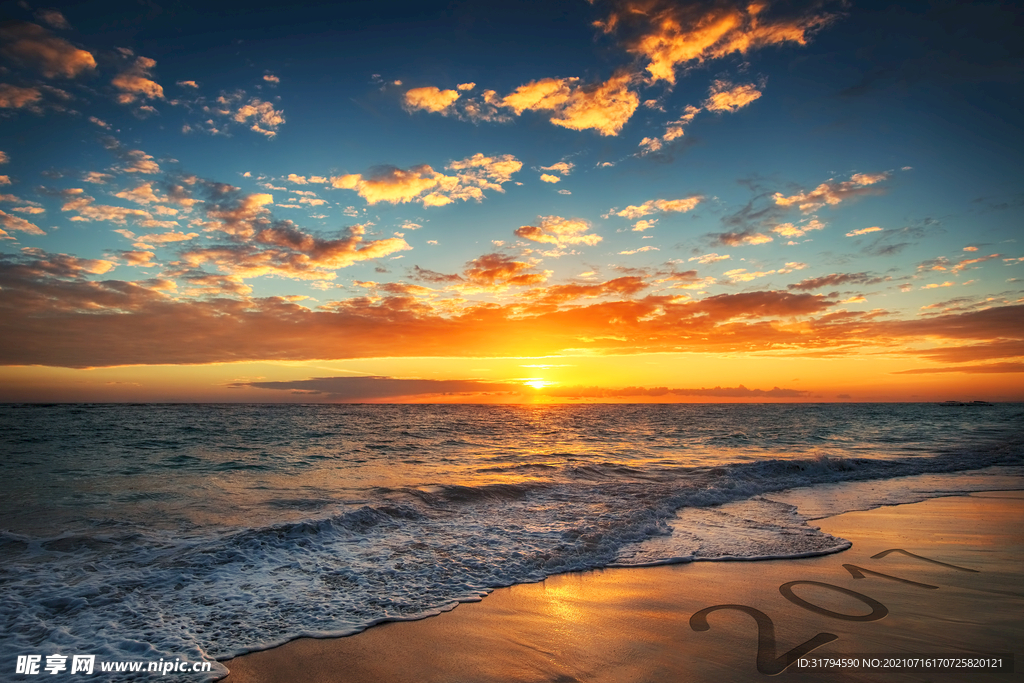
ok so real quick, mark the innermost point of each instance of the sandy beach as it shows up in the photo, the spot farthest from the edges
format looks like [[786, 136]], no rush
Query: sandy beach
[[954, 587]]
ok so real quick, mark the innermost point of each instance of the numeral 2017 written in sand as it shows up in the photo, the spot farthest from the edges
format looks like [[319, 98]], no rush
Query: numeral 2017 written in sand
[[767, 661]]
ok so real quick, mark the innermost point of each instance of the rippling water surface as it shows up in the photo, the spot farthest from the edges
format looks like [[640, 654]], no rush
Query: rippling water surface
[[211, 530]]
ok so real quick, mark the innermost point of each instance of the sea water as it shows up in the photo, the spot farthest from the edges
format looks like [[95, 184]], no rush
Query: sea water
[[140, 532]]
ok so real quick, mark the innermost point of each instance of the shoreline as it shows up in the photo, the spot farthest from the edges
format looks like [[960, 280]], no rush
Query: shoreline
[[633, 623]]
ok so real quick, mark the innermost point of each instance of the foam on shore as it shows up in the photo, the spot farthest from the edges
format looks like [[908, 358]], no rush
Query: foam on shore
[[635, 624]]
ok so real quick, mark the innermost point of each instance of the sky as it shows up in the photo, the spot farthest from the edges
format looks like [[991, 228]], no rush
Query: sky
[[519, 202]]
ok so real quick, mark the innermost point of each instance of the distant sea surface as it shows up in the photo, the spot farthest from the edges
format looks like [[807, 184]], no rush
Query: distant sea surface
[[205, 531]]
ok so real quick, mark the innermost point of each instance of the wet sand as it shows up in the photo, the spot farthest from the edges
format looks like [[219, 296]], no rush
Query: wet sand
[[645, 624]]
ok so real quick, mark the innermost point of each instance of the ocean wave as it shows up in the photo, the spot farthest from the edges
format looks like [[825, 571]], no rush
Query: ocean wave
[[133, 567], [215, 596]]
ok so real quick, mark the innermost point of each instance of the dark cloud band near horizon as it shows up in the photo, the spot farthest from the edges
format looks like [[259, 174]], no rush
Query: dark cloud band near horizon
[[372, 387]]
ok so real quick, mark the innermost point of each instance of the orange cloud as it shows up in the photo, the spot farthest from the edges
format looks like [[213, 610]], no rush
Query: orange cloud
[[863, 231], [547, 178], [487, 107], [37, 48], [422, 183], [431, 99], [87, 210], [156, 223], [132, 160], [389, 184], [664, 205], [836, 279], [547, 93], [790, 230], [486, 172], [563, 167], [142, 194], [496, 271], [673, 131], [741, 275], [1010, 348], [709, 258], [724, 96], [559, 232], [181, 196], [98, 178], [261, 116], [139, 162], [303, 180], [54, 18], [138, 258], [973, 369], [761, 304], [13, 97], [65, 266], [400, 288], [238, 216], [203, 284], [939, 263], [17, 200], [337, 253], [488, 273], [832, 192], [670, 34], [560, 294], [167, 237], [604, 107], [135, 82], [961, 265], [265, 119], [695, 283], [285, 251], [640, 250], [737, 239], [18, 224]]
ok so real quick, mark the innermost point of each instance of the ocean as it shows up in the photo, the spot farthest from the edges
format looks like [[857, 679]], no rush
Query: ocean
[[141, 532]]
